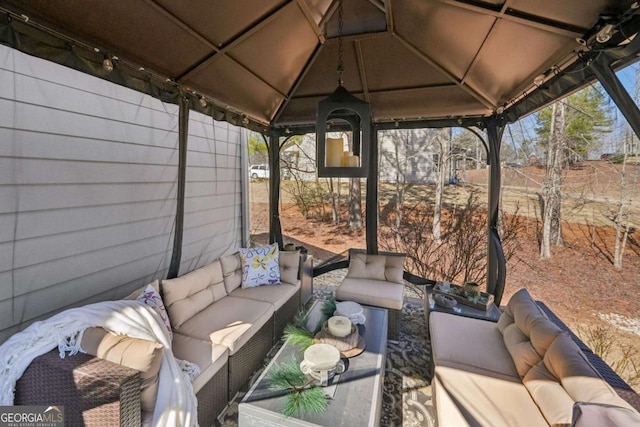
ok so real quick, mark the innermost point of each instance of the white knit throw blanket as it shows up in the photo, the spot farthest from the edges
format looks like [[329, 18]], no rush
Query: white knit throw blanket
[[176, 403]]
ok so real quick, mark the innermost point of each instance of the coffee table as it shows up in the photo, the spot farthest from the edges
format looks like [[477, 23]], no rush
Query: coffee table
[[357, 396], [492, 313]]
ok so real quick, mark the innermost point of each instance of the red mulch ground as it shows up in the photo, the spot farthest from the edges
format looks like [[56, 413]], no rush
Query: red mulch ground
[[577, 283]]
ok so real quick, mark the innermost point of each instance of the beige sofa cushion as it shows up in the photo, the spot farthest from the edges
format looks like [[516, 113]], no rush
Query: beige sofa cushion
[[187, 295], [277, 295], [527, 348], [230, 322], [526, 331], [456, 340], [289, 266], [466, 398], [545, 389], [143, 355], [384, 267], [231, 271], [378, 293], [581, 381], [209, 357]]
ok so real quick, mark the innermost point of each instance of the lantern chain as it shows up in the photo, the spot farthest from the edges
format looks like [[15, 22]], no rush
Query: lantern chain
[[340, 46]]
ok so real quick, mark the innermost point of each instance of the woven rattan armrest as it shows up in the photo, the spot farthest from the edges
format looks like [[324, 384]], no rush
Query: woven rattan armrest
[[93, 391]]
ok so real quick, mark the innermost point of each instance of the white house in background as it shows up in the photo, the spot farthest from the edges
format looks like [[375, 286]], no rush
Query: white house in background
[[299, 160], [404, 156]]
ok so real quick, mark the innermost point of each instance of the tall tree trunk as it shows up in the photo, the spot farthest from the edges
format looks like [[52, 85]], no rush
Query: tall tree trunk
[[622, 231], [355, 196], [440, 181], [552, 197], [334, 195], [355, 203], [399, 196]]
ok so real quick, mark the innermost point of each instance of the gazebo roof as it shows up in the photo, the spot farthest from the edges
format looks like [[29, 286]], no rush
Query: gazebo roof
[[271, 61]]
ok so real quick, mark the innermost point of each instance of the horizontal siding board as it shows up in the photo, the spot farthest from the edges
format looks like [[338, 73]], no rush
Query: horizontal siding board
[[22, 64], [6, 288], [6, 312], [42, 171], [36, 118], [208, 216], [33, 145], [203, 251], [6, 257], [65, 97], [212, 223], [63, 245], [56, 272], [43, 223], [8, 224], [57, 196], [197, 204], [48, 300], [88, 181]]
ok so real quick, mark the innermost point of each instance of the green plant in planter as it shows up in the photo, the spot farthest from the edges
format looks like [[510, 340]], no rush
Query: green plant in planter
[[303, 395], [297, 333], [328, 308]]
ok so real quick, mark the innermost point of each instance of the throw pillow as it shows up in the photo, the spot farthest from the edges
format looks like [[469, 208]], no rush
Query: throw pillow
[[152, 298], [260, 266]]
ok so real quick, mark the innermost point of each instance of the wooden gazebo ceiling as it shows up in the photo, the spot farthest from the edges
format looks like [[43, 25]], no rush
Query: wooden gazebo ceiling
[[273, 60]]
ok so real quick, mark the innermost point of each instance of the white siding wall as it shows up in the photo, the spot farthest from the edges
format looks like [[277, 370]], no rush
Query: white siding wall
[[88, 178], [213, 194]]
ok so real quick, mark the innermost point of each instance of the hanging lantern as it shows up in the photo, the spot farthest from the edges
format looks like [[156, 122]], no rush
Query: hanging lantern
[[342, 114]]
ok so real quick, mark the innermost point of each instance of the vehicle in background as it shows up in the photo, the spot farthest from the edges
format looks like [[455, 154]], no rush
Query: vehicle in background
[[259, 171]]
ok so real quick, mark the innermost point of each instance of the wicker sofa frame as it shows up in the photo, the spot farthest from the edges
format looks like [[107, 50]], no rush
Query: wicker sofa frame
[[95, 391]]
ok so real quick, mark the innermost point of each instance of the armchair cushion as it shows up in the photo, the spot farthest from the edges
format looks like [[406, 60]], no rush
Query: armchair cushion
[[384, 266], [378, 293]]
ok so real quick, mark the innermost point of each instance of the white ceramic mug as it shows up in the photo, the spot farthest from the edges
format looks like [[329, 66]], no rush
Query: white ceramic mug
[[324, 375]]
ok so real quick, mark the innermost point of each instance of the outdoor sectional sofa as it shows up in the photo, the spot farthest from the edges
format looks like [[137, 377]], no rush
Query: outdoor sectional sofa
[[523, 370], [224, 329]]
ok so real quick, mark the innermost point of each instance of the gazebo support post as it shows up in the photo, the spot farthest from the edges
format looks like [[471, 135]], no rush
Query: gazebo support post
[[183, 136], [611, 83], [371, 203], [496, 268], [275, 229]]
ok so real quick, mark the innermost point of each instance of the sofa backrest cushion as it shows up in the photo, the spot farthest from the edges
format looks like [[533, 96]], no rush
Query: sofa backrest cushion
[[565, 361], [384, 266], [547, 392], [523, 303], [188, 295], [289, 266], [526, 331], [143, 355], [231, 271]]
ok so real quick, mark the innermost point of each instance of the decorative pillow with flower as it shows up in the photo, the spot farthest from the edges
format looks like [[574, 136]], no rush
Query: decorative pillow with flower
[[260, 266], [152, 298]]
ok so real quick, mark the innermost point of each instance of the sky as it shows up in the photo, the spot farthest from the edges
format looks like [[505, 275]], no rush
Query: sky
[[524, 129]]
